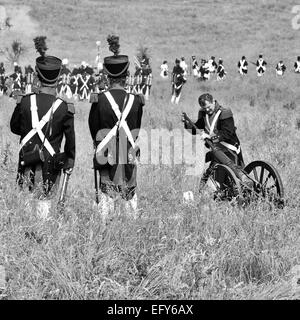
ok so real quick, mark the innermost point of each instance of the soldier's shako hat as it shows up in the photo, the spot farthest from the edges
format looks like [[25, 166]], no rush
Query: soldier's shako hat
[[48, 68], [116, 66]]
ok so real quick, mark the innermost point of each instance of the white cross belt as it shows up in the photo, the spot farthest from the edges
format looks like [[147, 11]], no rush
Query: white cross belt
[[120, 123], [37, 125]]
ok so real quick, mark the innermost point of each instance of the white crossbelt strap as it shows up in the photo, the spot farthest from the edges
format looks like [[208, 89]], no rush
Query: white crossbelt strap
[[37, 125], [260, 64], [242, 63], [210, 127], [120, 123], [221, 68], [84, 85], [231, 147], [75, 80]]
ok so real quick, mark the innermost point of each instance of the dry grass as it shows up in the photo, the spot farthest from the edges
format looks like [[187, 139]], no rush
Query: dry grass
[[211, 250]]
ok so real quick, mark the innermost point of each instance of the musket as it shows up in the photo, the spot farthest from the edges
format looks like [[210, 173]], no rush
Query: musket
[[96, 182], [64, 187], [96, 185]]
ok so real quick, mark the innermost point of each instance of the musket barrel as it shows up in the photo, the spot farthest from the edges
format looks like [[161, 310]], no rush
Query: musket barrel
[[64, 187]]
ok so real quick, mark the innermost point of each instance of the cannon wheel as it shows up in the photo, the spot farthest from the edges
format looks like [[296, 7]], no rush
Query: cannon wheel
[[269, 184], [226, 183]]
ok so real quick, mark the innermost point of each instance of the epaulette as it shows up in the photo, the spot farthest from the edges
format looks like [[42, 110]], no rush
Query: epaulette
[[71, 107], [94, 97], [18, 97], [226, 113], [35, 89], [142, 98], [69, 102], [28, 94]]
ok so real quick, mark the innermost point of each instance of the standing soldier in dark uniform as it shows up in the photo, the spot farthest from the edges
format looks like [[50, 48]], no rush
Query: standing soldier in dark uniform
[[2, 79], [114, 121], [29, 75], [195, 66], [178, 80], [17, 81], [74, 78], [221, 73], [243, 66], [146, 81], [297, 65], [260, 65], [280, 68], [63, 86], [41, 120]]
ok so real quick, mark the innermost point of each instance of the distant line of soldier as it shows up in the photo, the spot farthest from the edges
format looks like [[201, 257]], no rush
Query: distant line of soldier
[[78, 84], [207, 68]]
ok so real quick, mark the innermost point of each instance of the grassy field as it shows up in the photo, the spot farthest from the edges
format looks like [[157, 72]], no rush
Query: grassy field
[[207, 250]]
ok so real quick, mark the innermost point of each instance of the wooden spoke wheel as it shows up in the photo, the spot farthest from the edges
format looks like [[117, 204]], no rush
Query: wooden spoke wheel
[[268, 183], [226, 183]]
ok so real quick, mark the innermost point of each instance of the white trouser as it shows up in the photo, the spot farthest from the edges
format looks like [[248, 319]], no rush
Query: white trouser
[[131, 207], [43, 208], [106, 205]]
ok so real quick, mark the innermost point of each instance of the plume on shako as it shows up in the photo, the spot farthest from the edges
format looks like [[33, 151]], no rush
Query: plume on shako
[[47, 67], [116, 65], [40, 45], [113, 43]]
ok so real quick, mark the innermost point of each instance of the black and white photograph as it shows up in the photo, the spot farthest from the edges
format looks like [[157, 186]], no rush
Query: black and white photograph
[[149, 153]]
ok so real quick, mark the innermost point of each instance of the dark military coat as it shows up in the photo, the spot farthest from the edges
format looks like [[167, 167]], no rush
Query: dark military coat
[[225, 130], [62, 124], [102, 116]]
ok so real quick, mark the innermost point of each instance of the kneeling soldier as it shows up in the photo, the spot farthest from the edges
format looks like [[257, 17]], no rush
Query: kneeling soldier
[[41, 120], [218, 125]]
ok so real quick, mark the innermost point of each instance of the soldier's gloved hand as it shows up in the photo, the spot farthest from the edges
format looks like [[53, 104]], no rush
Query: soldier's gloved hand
[[204, 135], [183, 118], [68, 171]]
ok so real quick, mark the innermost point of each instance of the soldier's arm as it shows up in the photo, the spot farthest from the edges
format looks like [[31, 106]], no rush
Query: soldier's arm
[[69, 132], [200, 124], [15, 121], [140, 111], [94, 120]]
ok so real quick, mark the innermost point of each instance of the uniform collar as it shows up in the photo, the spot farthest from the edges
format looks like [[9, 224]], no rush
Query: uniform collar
[[117, 86], [217, 107], [48, 90]]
